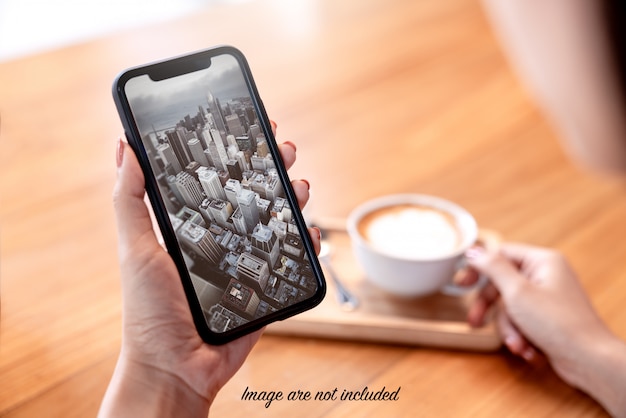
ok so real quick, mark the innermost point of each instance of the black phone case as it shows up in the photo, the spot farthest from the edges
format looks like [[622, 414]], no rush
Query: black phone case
[[186, 64]]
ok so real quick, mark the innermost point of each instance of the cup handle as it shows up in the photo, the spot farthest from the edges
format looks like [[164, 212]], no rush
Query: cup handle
[[487, 239], [453, 289]]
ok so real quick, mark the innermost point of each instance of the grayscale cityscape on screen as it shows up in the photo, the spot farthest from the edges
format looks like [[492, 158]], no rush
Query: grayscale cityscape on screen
[[223, 195]]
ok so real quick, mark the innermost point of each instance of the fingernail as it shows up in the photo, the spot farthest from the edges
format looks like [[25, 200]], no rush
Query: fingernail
[[529, 354], [476, 314], [291, 144], [474, 252], [319, 233], [120, 152], [274, 124], [510, 342], [308, 185]]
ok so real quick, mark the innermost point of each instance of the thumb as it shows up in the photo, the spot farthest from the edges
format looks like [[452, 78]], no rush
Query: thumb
[[502, 272], [133, 218]]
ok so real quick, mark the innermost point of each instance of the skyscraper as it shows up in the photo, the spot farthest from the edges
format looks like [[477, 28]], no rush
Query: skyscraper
[[240, 298], [248, 208], [293, 245], [239, 222], [197, 152], [192, 167], [252, 269], [217, 151], [201, 115], [234, 170], [205, 212], [167, 155], [265, 244], [201, 241], [187, 214], [258, 183], [241, 158], [224, 176], [190, 189], [211, 183], [216, 112], [178, 141], [263, 206], [149, 143], [232, 190], [262, 149], [281, 210], [273, 186], [221, 149], [221, 211], [255, 130], [251, 115], [171, 185], [230, 139], [279, 227], [234, 125], [156, 163], [209, 156]]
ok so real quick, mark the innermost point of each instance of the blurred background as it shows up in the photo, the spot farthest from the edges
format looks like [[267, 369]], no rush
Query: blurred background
[[31, 26], [380, 96]]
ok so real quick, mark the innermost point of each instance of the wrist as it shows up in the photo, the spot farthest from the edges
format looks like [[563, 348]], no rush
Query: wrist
[[138, 389]]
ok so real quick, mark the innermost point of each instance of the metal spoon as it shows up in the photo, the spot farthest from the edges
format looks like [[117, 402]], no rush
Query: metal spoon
[[347, 301]]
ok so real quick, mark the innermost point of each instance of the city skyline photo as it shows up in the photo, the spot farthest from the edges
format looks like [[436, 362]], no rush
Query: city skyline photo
[[223, 194]]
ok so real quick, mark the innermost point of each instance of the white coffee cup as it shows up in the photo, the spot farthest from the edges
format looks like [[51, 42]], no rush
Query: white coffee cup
[[410, 244]]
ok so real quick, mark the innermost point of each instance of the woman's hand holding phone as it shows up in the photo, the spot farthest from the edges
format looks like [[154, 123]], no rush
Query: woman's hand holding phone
[[164, 366], [227, 211]]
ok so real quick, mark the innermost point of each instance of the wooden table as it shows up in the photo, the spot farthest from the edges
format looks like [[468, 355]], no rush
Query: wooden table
[[381, 96]]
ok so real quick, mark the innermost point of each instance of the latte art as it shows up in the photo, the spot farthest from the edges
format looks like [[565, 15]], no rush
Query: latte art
[[411, 245], [411, 231]]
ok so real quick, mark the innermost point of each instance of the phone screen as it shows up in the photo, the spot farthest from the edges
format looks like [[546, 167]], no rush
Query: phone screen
[[220, 191]]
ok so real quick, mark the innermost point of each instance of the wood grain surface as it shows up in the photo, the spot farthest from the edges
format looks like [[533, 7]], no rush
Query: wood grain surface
[[380, 96]]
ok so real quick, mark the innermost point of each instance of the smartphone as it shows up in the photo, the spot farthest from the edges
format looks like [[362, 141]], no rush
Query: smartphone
[[220, 191]]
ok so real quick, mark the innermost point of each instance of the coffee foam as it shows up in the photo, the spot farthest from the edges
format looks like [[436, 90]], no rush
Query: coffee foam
[[411, 231]]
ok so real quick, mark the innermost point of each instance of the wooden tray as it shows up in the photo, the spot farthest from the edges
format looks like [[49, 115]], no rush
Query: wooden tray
[[437, 320]]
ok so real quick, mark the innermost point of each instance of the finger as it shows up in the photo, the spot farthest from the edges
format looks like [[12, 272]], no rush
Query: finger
[[466, 277], [516, 342], [301, 188], [274, 126], [520, 254], [504, 274], [477, 312], [288, 153], [316, 238], [512, 338], [133, 217], [130, 180], [489, 293]]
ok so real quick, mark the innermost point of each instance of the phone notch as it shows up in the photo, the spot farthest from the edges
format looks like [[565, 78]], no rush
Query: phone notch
[[184, 65]]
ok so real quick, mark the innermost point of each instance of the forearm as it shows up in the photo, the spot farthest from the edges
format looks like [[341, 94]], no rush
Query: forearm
[[137, 390], [605, 374]]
